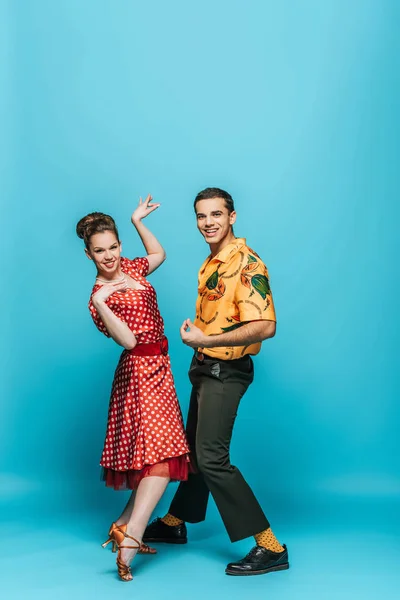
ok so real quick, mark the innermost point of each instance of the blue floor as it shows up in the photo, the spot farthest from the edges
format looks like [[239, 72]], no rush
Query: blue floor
[[332, 558]]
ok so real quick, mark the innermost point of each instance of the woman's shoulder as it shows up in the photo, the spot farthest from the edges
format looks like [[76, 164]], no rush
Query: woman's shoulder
[[126, 262], [95, 288], [138, 265]]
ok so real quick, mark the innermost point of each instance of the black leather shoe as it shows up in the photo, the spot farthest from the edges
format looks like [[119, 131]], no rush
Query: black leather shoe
[[259, 561], [157, 531]]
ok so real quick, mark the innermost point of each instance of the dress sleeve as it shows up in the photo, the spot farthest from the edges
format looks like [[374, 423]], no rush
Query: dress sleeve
[[138, 265], [253, 295], [97, 320]]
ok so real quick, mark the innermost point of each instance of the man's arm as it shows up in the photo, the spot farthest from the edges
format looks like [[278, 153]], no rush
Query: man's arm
[[250, 333]]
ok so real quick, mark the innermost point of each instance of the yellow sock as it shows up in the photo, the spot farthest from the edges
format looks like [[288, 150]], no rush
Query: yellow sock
[[267, 540], [171, 520]]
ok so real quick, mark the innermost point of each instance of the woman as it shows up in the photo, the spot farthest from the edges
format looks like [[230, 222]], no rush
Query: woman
[[145, 445]]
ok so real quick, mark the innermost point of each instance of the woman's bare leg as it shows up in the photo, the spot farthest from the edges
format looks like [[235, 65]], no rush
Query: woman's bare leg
[[148, 494], [127, 512]]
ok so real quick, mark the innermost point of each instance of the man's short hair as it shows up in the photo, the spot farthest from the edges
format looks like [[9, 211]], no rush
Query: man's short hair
[[214, 192]]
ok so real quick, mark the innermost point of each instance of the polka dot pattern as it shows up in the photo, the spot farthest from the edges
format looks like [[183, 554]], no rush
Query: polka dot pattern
[[144, 420], [267, 539], [137, 308], [171, 520]]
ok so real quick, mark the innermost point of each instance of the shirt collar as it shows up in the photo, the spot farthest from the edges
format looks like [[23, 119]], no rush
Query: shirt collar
[[226, 253]]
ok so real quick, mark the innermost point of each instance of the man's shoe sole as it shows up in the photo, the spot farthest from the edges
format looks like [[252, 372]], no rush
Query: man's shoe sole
[[262, 572], [164, 541]]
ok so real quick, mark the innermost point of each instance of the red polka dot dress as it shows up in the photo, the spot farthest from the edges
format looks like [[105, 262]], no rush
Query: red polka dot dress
[[145, 434]]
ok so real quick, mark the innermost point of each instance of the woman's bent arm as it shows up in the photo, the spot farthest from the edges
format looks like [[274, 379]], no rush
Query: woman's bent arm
[[155, 252], [118, 330]]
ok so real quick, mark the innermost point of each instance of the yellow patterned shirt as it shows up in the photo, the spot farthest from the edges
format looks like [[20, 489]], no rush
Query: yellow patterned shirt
[[233, 290]]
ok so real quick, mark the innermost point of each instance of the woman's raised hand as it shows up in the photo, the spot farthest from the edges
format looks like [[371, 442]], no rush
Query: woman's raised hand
[[144, 209], [106, 290]]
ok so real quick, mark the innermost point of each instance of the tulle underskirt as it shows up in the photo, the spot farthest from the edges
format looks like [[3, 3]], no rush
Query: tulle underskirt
[[176, 468]]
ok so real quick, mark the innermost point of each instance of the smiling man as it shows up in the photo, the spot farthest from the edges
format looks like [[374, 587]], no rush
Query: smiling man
[[234, 314]]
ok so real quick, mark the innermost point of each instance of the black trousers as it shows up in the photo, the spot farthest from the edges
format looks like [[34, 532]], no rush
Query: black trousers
[[218, 387]]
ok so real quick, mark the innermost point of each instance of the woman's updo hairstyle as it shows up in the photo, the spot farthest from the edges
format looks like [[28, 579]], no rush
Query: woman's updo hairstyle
[[95, 222]]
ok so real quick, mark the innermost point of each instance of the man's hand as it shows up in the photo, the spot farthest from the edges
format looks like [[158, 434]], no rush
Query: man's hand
[[193, 336], [144, 209]]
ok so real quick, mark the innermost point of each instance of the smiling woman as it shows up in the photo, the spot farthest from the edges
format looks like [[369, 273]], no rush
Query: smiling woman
[[108, 256], [145, 445], [98, 230]]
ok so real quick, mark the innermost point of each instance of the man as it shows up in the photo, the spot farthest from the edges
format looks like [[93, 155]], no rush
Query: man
[[234, 314]]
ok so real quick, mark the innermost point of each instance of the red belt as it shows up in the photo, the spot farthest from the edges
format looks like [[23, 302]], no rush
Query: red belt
[[151, 349]]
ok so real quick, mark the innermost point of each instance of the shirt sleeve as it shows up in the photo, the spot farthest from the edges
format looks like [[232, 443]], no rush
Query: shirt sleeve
[[253, 295], [97, 320], [139, 265]]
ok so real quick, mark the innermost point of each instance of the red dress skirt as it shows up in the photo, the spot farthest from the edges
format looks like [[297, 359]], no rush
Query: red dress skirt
[[145, 434]]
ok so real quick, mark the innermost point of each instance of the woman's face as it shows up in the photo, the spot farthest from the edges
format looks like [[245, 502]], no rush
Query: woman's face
[[105, 251]]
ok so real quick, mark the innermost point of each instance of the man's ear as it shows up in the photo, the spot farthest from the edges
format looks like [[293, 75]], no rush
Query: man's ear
[[232, 217]]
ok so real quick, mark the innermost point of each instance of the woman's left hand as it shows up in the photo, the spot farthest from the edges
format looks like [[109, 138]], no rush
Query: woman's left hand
[[144, 209]]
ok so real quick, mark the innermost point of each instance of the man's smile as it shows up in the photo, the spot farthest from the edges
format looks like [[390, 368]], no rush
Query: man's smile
[[210, 232]]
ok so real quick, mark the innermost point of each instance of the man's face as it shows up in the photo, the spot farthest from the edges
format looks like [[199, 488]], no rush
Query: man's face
[[213, 220]]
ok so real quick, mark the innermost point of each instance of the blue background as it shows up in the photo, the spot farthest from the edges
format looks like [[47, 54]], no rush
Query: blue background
[[293, 108]]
